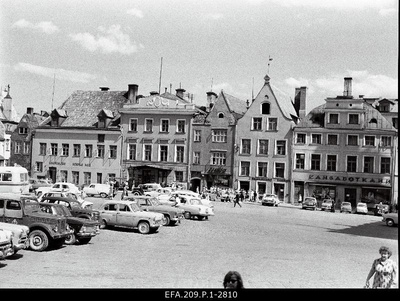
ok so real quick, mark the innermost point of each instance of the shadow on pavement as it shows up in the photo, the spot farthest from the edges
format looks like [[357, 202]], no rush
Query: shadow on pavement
[[375, 229]]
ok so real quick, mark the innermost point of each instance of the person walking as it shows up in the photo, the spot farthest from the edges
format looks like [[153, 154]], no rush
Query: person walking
[[255, 196], [236, 200], [233, 280], [383, 269]]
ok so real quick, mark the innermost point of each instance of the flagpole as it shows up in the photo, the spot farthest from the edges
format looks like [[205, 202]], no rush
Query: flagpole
[[269, 60]]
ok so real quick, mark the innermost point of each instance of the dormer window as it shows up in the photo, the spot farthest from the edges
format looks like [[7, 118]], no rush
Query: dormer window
[[266, 108], [54, 121], [23, 130]]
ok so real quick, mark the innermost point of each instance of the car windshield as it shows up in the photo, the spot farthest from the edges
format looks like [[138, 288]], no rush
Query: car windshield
[[327, 201], [135, 207], [309, 200], [346, 204], [361, 205]]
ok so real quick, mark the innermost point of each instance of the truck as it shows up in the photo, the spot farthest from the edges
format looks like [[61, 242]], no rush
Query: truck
[[44, 229]]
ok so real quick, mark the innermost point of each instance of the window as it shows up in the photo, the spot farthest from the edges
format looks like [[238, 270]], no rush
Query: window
[[369, 140], [386, 141], [351, 163], [180, 154], [263, 147], [77, 150], [257, 124], [87, 178], [279, 170], [354, 119], [244, 168], [7, 145], [164, 153], [131, 151], [272, 124], [300, 138], [196, 158], [218, 135], [88, 150], [369, 164], [221, 115], [265, 108], [180, 127], [352, 140], [197, 135], [395, 122], [113, 152], [383, 108], [133, 122], [316, 138], [262, 169], [300, 161], [315, 162], [53, 149], [65, 150], [100, 138], [246, 146], [331, 162], [39, 166], [333, 119], [26, 147], [148, 125], [164, 126], [218, 158], [332, 139], [385, 165], [179, 176], [42, 149], [100, 151], [22, 130], [147, 152], [281, 147], [75, 178]]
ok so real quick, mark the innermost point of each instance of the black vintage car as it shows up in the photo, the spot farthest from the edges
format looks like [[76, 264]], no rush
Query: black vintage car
[[84, 229]]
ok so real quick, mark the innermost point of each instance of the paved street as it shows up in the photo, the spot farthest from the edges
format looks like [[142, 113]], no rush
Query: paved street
[[272, 247]]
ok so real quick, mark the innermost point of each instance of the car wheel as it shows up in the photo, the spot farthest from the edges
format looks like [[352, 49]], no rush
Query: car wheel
[[71, 239], [103, 224], [187, 215], [84, 241], [144, 227], [390, 222], [38, 240], [166, 220], [103, 195]]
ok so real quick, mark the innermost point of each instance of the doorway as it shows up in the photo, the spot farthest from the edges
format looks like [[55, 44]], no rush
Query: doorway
[[53, 174], [350, 195]]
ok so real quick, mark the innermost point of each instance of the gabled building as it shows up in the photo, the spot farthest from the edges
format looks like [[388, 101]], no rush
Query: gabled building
[[346, 150], [21, 138], [156, 138], [212, 157], [81, 141], [262, 144]]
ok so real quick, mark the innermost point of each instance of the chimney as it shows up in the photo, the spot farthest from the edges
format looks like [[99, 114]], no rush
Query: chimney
[[179, 92], [132, 93], [300, 101], [104, 88], [347, 87], [29, 110], [211, 98]]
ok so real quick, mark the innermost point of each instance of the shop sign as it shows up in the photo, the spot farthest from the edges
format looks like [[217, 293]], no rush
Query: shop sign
[[361, 180], [56, 163]]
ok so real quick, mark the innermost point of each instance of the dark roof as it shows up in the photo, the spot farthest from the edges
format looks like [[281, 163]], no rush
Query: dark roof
[[235, 104]]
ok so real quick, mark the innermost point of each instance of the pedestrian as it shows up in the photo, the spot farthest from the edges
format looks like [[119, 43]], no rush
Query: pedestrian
[[241, 195], [124, 190], [236, 200], [333, 206], [251, 195], [255, 196], [383, 269], [233, 280]]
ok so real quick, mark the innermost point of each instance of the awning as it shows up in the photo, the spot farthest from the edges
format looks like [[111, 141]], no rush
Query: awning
[[156, 166]]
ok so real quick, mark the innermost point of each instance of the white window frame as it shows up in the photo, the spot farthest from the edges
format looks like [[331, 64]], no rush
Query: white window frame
[[348, 118], [177, 126], [159, 152], [284, 169], [130, 124], [358, 140], [197, 136], [146, 130], [161, 125], [337, 139]]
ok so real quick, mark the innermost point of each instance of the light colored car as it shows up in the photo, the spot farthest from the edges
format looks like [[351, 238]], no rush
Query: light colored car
[[97, 189], [193, 208], [326, 204], [6, 249], [346, 207], [59, 186], [129, 215], [390, 219], [361, 208], [20, 235], [37, 183], [309, 203], [270, 199]]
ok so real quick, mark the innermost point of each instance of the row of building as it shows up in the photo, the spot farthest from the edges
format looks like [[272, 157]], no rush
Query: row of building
[[345, 149]]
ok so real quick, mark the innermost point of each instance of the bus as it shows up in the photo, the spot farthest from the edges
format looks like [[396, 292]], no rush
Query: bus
[[14, 179]]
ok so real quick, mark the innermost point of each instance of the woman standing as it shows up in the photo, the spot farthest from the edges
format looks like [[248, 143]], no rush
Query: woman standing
[[384, 270]]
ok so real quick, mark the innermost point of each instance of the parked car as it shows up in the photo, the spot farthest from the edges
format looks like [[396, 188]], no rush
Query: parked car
[[84, 229], [37, 183], [20, 235], [77, 196], [59, 186], [391, 219], [6, 249], [361, 208], [381, 209], [270, 199], [172, 215], [309, 203], [346, 207], [128, 214], [142, 188], [97, 189], [193, 208], [326, 204], [74, 206], [227, 196], [44, 229]]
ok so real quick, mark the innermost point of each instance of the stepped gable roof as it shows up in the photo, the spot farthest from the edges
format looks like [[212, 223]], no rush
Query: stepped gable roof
[[83, 107], [285, 103]]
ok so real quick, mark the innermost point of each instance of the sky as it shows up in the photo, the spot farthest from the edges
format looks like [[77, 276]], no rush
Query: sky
[[51, 48]]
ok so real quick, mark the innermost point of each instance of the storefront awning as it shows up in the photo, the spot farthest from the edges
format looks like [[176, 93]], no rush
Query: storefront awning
[[156, 166]]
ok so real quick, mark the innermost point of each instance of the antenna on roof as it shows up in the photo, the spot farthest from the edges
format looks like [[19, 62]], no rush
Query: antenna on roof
[[54, 85], [159, 84]]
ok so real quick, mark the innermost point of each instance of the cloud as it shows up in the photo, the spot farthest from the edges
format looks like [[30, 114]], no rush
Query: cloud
[[61, 74], [46, 26], [108, 41], [135, 12]]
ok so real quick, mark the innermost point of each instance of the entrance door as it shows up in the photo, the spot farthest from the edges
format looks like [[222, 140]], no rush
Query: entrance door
[[350, 195], [279, 190], [53, 174]]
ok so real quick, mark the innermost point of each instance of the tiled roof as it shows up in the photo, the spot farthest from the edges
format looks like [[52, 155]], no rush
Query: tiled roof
[[285, 102], [235, 104]]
